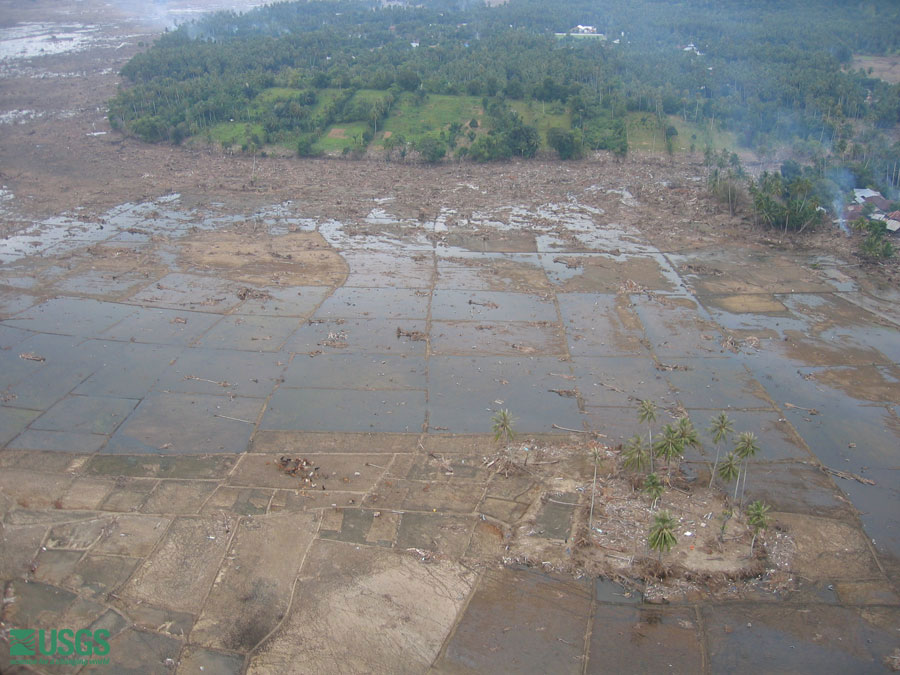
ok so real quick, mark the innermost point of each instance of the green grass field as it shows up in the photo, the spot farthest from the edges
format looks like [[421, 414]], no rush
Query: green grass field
[[276, 94], [645, 134], [340, 136], [543, 116], [435, 114], [229, 134], [369, 95], [416, 120]]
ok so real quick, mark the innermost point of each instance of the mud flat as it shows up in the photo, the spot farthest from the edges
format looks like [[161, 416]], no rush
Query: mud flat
[[284, 380]]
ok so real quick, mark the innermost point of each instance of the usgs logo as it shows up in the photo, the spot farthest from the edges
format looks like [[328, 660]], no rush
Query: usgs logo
[[65, 642]]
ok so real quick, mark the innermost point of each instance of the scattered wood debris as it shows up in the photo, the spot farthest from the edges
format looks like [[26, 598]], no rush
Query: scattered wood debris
[[668, 367], [247, 293], [221, 383], [301, 468], [489, 305], [735, 345], [630, 286], [791, 406], [422, 555], [700, 270], [31, 356], [414, 335], [570, 263], [566, 393], [846, 475], [893, 660], [446, 467], [335, 339]]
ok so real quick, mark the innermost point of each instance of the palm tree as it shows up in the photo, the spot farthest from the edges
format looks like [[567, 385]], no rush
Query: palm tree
[[719, 428], [669, 447], [745, 448], [687, 433], [662, 533], [758, 518], [647, 413], [596, 457], [730, 469], [503, 427], [654, 488], [637, 453]]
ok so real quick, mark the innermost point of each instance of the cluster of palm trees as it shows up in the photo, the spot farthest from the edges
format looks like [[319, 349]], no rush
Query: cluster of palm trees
[[670, 446]]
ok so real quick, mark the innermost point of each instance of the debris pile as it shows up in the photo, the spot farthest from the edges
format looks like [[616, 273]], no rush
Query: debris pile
[[247, 293], [301, 468], [413, 335]]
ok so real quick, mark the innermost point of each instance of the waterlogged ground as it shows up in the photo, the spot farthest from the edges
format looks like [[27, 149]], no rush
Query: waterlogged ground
[[159, 358], [172, 323]]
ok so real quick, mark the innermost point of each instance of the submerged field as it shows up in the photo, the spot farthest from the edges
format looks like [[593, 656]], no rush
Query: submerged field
[[281, 375]]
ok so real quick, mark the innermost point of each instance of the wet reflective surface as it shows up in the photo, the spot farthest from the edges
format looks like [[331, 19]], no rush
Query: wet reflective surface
[[154, 348]]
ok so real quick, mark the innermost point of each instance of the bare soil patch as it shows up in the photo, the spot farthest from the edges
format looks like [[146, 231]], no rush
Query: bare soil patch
[[296, 259], [885, 68]]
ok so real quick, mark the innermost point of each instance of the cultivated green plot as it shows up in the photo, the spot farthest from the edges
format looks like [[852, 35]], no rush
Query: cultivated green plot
[[415, 119], [342, 135], [241, 134], [544, 116], [646, 133]]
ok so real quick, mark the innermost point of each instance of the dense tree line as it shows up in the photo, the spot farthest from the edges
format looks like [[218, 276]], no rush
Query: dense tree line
[[773, 72]]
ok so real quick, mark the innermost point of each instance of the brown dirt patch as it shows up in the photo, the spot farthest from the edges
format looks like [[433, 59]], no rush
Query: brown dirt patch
[[606, 275], [296, 259], [866, 383], [828, 549], [493, 240], [510, 276], [750, 304], [337, 132]]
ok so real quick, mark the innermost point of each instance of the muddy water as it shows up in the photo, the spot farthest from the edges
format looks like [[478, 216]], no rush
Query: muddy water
[[201, 327], [829, 363], [492, 314]]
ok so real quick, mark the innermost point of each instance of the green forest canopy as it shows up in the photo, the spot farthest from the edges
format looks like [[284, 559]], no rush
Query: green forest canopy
[[482, 80]]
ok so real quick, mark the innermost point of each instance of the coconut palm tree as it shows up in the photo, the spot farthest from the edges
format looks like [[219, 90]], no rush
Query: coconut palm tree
[[647, 413], [662, 533], [720, 427], [758, 518], [730, 469], [503, 427], [669, 447], [654, 488], [637, 453], [745, 448], [687, 433]]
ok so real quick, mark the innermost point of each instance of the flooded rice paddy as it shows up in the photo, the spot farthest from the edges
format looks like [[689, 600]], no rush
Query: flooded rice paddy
[[156, 333]]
